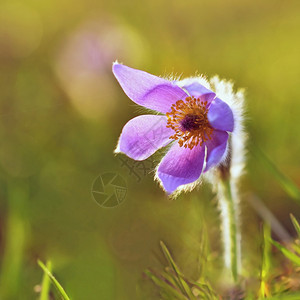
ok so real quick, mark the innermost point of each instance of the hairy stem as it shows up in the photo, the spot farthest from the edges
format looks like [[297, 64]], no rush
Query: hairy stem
[[229, 217]]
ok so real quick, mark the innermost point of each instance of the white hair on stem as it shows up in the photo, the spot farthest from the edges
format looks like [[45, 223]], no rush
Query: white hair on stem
[[236, 157], [224, 90]]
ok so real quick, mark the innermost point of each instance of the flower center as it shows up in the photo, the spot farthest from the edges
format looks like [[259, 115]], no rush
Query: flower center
[[188, 118]]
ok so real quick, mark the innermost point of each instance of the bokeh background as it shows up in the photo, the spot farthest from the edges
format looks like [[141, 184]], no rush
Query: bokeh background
[[61, 112]]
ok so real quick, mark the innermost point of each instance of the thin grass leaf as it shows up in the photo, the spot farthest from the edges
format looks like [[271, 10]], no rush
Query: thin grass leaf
[[287, 253], [296, 249], [59, 288], [204, 288], [187, 289], [287, 184], [45, 287], [265, 268], [170, 276], [183, 286], [12, 249], [296, 225], [206, 291], [167, 288]]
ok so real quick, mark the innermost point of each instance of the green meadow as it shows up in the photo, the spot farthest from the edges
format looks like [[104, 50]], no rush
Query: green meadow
[[61, 114]]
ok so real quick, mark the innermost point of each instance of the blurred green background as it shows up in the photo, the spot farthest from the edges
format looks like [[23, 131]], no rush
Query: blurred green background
[[62, 112]]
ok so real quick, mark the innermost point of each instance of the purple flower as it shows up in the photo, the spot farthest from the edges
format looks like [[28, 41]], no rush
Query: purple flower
[[191, 117]]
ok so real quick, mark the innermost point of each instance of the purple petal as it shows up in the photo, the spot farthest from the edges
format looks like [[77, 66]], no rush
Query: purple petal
[[143, 135], [216, 148], [220, 115], [180, 166], [198, 90], [148, 90]]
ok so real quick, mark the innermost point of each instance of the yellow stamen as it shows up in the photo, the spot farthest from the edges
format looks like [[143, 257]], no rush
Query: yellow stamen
[[188, 118]]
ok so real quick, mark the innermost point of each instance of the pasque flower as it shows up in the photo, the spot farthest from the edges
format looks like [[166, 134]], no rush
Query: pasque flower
[[189, 116]]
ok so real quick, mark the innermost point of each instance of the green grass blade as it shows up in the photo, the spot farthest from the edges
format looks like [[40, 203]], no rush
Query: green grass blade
[[287, 184], [46, 283], [185, 289], [296, 225], [59, 288], [205, 290], [265, 268], [287, 253], [170, 276], [13, 247], [167, 288]]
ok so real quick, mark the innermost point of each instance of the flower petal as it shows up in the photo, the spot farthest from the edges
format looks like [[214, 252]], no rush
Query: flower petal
[[198, 90], [220, 115], [180, 166], [144, 135], [148, 90], [216, 148]]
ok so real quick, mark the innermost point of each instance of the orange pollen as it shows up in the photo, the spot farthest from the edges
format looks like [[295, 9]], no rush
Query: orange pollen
[[188, 118]]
